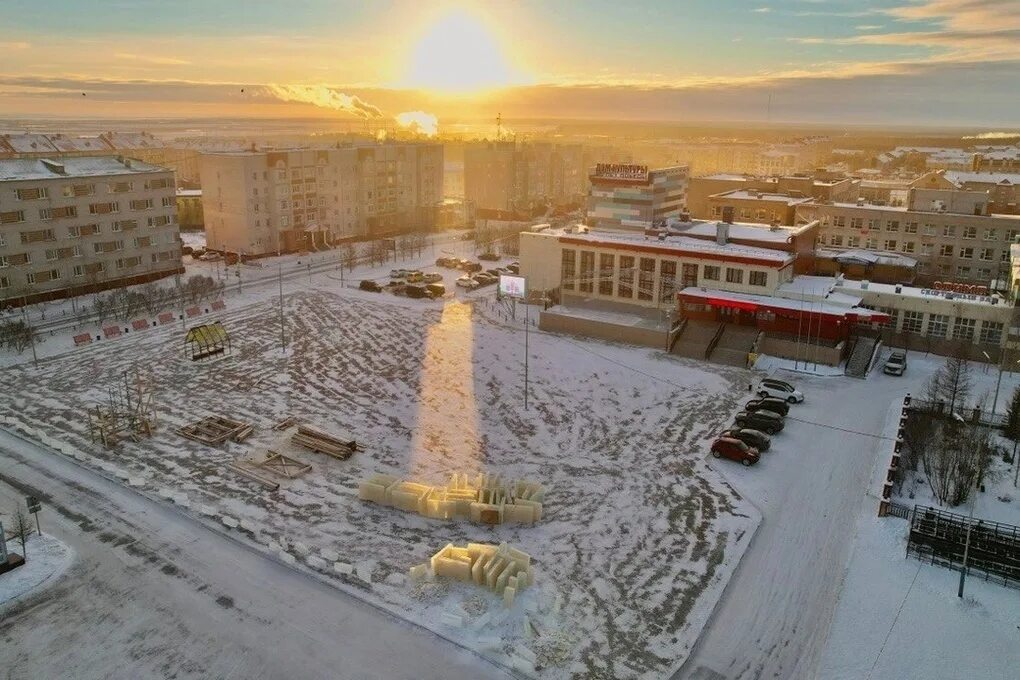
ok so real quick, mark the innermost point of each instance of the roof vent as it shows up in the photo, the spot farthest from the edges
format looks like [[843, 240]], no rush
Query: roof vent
[[54, 166], [899, 288]]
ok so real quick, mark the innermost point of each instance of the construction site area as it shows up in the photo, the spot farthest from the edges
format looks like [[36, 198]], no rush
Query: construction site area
[[387, 450]]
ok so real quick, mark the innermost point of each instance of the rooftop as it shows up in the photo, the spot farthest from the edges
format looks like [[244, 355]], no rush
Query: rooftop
[[866, 257], [84, 166], [774, 302], [959, 177], [746, 231], [679, 244], [751, 195], [853, 287]]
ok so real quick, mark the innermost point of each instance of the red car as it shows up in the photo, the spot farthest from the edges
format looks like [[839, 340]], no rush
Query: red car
[[734, 449]]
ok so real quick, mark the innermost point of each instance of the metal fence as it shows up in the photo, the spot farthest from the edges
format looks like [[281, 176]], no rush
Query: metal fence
[[971, 415], [942, 538]]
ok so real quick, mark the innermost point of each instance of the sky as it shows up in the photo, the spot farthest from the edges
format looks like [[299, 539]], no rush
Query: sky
[[904, 62]]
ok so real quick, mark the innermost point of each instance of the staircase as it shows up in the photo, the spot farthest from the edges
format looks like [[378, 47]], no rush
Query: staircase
[[859, 363], [695, 339], [734, 345]]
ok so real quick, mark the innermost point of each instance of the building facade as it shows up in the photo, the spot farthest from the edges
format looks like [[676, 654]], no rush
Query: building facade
[[511, 177], [632, 197], [259, 202], [758, 206], [82, 224]]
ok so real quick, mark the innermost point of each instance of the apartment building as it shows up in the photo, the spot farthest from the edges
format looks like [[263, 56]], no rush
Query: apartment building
[[80, 224], [507, 176], [632, 197], [949, 232], [758, 206], [1003, 188], [258, 202]]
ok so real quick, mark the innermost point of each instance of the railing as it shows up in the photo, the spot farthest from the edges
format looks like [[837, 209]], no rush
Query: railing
[[715, 340], [973, 415]]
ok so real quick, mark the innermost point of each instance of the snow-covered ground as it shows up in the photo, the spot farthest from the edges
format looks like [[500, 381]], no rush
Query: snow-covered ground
[[48, 559], [640, 534], [901, 618]]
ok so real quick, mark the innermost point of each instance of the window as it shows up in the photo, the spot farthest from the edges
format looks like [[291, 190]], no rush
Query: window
[[908, 246], [963, 272], [51, 254], [710, 273], [115, 227], [1004, 256], [37, 236], [606, 262], [168, 201], [839, 221], [874, 224], [646, 278], [991, 332], [984, 274], [757, 278], [79, 270], [104, 208], [912, 321], [159, 221], [890, 244], [5, 282], [926, 249], [963, 329], [3, 241], [929, 229], [587, 271], [73, 190], [967, 253], [3, 261], [853, 241], [856, 222], [910, 228], [837, 240], [949, 230], [625, 288], [32, 194], [938, 325], [991, 234], [946, 250], [141, 204], [58, 213], [667, 280], [734, 275], [970, 232], [30, 278], [12, 217], [988, 253], [567, 269], [120, 187], [164, 183], [892, 225], [872, 244]]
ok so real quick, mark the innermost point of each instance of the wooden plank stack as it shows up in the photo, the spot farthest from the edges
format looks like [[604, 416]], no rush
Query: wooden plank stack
[[323, 442], [215, 430]]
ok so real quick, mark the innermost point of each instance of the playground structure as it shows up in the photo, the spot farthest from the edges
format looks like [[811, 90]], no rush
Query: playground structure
[[129, 411], [485, 499], [207, 341]]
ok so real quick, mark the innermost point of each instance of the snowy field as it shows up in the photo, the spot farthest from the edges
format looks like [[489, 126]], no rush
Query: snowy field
[[48, 559], [639, 536]]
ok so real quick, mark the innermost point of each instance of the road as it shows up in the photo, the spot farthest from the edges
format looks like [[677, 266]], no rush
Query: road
[[155, 594], [773, 618]]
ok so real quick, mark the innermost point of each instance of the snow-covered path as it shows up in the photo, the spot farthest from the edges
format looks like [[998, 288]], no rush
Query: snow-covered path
[[773, 618], [156, 594]]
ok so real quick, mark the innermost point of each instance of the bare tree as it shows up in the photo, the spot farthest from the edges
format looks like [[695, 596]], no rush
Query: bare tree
[[22, 529], [103, 307], [951, 384], [349, 256]]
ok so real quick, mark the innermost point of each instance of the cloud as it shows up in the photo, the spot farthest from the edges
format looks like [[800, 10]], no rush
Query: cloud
[[14, 45], [762, 10], [149, 59]]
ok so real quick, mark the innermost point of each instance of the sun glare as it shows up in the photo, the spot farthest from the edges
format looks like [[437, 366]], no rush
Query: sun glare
[[458, 54]]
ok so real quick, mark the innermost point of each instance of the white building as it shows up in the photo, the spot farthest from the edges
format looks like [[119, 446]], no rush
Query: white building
[[80, 224], [257, 202]]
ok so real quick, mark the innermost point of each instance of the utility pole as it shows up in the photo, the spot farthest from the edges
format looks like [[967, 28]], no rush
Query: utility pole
[[283, 340], [31, 331], [526, 356]]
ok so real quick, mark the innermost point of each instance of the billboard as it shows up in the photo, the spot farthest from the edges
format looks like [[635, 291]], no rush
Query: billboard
[[513, 286]]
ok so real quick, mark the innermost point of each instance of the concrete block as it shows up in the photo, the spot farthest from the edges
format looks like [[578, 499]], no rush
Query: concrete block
[[364, 572], [315, 562], [207, 510], [419, 572], [301, 549], [229, 522], [286, 557], [330, 555], [343, 568]]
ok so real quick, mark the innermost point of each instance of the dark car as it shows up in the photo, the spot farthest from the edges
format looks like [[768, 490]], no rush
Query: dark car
[[734, 449], [514, 267], [416, 291], [492, 272], [437, 289], [442, 262], [370, 285], [484, 279], [755, 438], [472, 267], [768, 404], [492, 257], [765, 421]]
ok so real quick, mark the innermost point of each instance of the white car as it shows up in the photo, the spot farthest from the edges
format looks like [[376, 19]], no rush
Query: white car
[[771, 387], [398, 273], [209, 256], [467, 282]]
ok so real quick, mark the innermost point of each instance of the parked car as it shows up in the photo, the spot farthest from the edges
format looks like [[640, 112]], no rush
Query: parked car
[[896, 364], [492, 257], [415, 277], [472, 267], [447, 262], [433, 277], [492, 272], [768, 404], [484, 279], [755, 438], [765, 421], [370, 286], [770, 387], [467, 282], [734, 449], [514, 267], [209, 256], [438, 290], [414, 291], [398, 273]]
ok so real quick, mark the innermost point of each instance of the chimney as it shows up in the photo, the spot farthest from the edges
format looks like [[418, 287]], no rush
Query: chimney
[[722, 232], [727, 214]]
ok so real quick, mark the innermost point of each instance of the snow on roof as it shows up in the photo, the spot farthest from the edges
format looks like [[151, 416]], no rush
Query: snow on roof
[[852, 287], [132, 140], [196, 193], [29, 142], [814, 307], [959, 177], [680, 244], [733, 177], [867, 257], [84, 166], [750, 194], [70, 144], [738, 230]]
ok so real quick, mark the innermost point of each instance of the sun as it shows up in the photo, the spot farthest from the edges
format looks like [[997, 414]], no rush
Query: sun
[[458, 54]]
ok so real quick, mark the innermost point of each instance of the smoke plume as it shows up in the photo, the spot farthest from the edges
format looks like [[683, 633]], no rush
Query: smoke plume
[[419, 121], [327, 98]]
